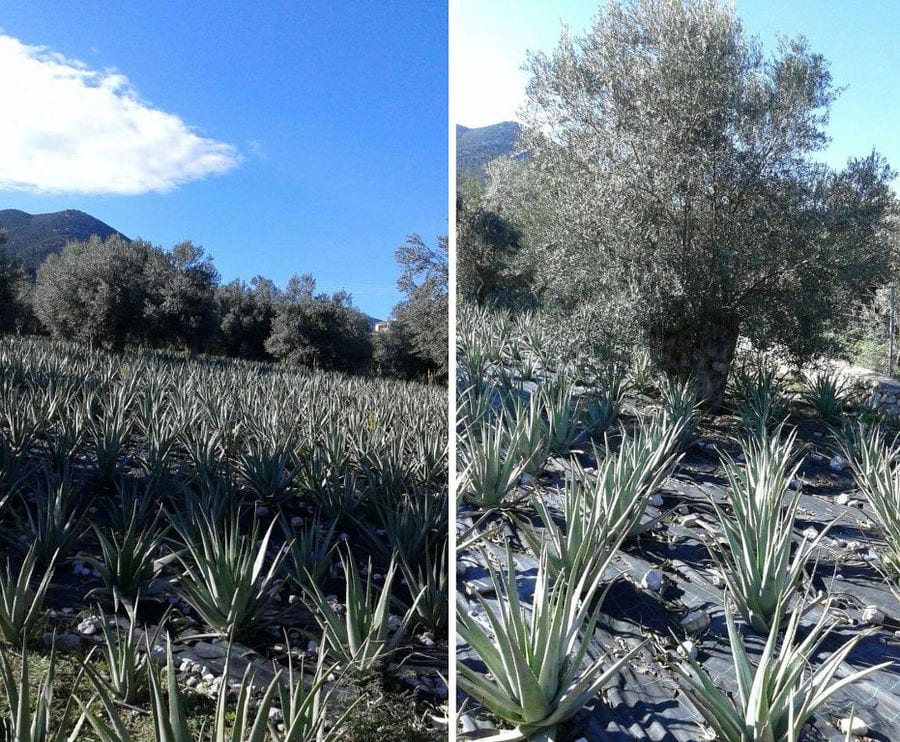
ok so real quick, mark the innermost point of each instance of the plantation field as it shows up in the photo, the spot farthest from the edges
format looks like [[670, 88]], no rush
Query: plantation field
[[258, 547], [631, 569]]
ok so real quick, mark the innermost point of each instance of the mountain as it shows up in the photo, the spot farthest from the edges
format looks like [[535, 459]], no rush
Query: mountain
[[477, 147], [32, 237]]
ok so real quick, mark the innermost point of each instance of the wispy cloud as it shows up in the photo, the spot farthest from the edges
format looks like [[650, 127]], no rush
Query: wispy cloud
[[257, 150], [65, 128]]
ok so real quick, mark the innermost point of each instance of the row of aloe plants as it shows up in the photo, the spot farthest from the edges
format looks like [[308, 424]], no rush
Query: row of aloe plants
[[537, 674], [228, 489]]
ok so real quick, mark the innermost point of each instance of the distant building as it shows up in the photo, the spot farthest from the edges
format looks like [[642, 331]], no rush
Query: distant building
[[382, 326]]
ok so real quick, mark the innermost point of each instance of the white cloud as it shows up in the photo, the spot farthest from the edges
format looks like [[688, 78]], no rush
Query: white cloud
[[65, 128]]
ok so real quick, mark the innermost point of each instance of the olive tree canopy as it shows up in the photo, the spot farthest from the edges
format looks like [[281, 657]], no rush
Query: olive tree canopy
[[671, 170]]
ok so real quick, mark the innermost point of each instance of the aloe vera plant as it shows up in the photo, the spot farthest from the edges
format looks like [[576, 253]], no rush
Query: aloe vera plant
[[595, 526], [759, 401], [759, 569], [624, 481], [109, 436], [828, 394], [679, 407], [776, 697], [535, 655], [490, 464], [21, 600], [529, 432], [130, 563], [225, 579], [188, 449], [361, 639], [562, 428], [55, 521], [245, 722], [873, 460], [302, 702], [13, 471], [309, 550], [268, 471], [427, 577], [127, 663]]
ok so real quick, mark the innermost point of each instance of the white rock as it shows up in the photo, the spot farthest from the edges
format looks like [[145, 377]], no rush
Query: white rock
[[656, 500], [652, 580], [695, 622], [837, 464], [89, 626], [810, 534], [842, 499], [687, 648], [275, 715], [192, 682], [873, 616], [855, 726]]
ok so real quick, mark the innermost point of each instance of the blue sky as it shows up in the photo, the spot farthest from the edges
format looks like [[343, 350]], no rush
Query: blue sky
[[284, 137], [858, 37]]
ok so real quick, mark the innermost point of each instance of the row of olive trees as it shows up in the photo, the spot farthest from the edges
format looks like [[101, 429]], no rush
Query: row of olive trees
[[673, 196], [116, 292]]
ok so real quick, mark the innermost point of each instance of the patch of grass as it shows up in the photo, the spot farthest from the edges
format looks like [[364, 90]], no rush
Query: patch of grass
[[385, 713]]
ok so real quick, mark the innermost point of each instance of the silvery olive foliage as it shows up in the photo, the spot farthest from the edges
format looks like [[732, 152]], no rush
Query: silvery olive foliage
[[670, 188]]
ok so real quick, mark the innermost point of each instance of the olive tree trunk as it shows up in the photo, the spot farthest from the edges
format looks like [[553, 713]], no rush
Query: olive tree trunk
[[704, 356]]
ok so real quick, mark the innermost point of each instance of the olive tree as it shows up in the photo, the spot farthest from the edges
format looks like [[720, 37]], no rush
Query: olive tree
[[319, 331], [116, 291], [95, 290], [672, 184], [245, 315], [181, 308], [12, 281], [487, 248], [423, 316]]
